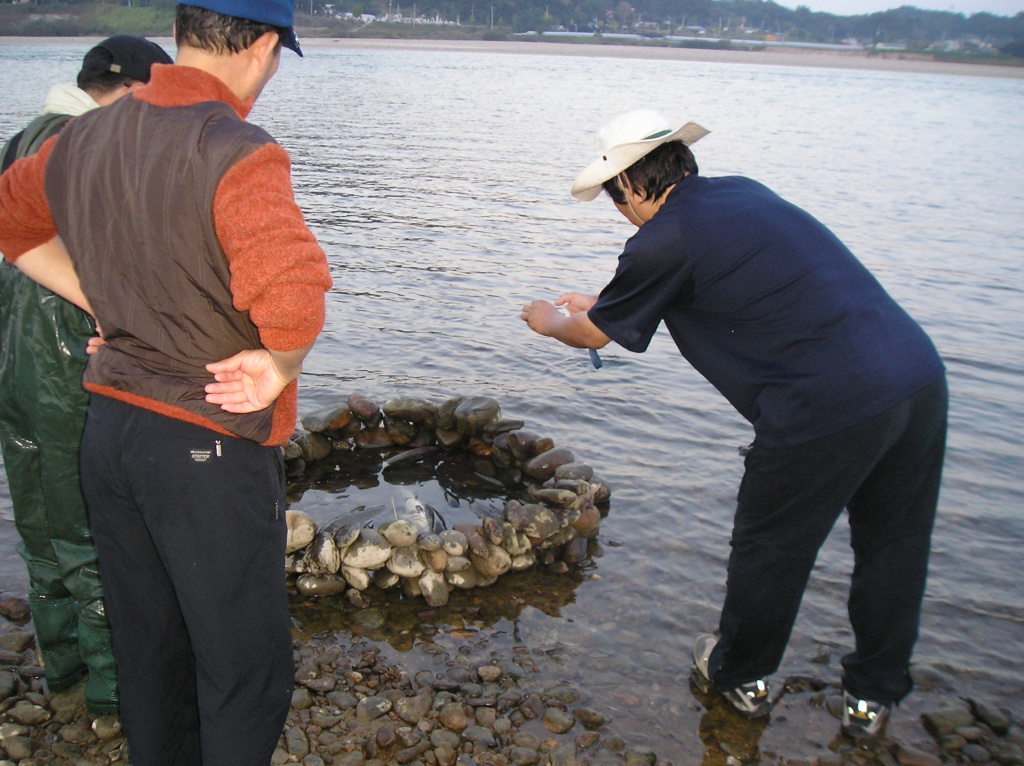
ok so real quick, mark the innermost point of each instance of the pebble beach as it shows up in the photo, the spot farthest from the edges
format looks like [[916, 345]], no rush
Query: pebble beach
[[471, 702]]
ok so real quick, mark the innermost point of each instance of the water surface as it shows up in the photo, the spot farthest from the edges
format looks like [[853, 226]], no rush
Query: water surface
[[437, 182]]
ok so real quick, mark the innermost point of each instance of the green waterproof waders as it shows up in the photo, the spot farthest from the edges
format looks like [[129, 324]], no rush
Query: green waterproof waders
[[42, 414]]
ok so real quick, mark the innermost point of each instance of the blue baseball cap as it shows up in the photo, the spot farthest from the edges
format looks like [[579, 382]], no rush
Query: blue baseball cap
[[280, 13]]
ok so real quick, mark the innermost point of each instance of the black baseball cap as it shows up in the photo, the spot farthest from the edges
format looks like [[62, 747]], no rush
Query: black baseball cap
[[124, 55]]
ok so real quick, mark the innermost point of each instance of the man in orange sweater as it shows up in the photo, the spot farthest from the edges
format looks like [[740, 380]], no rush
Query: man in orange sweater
[[209, 290]]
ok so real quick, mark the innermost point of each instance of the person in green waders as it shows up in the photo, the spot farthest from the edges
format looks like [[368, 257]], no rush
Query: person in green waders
[[42, 412]]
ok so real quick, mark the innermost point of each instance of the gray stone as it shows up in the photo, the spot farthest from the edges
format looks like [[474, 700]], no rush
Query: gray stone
[[641, 756], [486, 716], [1007, 753], [14, 608], [473, 414], [330, 419], [564, 755], [544, 465], [562, 693], [76, 733], [996, 719], [445, 755], [8, 684], [910, 756], [453, 717], [342, 700], [479, 734], [557, 720], [589, 718], [527, 740], [372, 708], [16, 640], [19, 748], [352, 758], [523, 756], [439, 737], [615, 744], [314, 446], [587, 739], [446, 413], [561, 498], [948, 717], [296, 742], [412, 709], [324, 718], [322, 685], [930, 677], [28, 714], [976, 753], [574, 471], [386, 736], [301, 699], [489, 673], [412, 409], [536, 521]]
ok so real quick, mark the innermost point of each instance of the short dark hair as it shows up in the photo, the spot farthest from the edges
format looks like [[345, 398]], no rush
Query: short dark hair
[[218, 33], [105, 82], [655, 172]]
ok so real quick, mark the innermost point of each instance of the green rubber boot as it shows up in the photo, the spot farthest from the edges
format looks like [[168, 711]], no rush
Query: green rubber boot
[[101, 698], [56, 625]]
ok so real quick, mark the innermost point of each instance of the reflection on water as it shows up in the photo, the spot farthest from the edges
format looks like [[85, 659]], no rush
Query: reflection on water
[[459, 485], [437, 182], [403, 623]]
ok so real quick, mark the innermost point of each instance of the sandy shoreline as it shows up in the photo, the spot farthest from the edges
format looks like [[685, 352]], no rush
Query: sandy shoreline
[[890, 62]]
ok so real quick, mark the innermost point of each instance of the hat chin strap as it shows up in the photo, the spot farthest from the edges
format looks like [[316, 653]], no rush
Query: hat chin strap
[[622, 186]]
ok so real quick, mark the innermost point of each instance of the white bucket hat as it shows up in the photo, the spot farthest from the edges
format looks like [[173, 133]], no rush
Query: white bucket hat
[[625, 140]]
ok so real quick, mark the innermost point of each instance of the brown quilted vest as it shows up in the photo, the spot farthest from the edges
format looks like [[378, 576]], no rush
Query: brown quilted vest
[[131, 188]]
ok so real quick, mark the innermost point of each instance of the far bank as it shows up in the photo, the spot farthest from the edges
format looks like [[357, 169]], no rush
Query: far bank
[[852, 59]]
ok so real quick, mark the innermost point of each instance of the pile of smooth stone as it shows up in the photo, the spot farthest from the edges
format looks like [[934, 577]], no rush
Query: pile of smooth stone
[[411, 549]]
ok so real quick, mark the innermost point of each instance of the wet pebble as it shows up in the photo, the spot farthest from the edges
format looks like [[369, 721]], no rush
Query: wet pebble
[[16, 640], [453, 716], [370, 708], [557, 720], [589, 718]]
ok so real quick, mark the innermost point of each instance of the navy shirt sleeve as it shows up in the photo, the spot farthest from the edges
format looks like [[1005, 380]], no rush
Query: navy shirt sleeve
[[653, 275]]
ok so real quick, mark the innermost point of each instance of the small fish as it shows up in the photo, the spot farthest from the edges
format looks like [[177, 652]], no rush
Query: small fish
[[423, 517], [411, 454]]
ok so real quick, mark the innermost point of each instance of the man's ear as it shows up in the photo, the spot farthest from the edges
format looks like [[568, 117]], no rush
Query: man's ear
[[266, 45]]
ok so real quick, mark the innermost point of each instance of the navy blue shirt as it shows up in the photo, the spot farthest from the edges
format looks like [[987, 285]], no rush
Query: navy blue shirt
[[766, 303]]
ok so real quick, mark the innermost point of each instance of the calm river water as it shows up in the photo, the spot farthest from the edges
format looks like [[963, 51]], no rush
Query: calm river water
[[437, 182]]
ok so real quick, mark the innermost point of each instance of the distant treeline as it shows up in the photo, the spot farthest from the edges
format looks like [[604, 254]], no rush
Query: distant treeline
[[906, 25]]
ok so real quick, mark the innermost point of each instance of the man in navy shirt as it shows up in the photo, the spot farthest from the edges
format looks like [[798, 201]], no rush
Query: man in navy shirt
[[846, 394]]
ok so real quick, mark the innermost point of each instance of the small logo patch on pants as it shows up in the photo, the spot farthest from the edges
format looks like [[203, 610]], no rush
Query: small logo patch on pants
[[201, 455]]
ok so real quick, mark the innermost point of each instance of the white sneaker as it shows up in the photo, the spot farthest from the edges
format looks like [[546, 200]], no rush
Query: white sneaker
[[751, 700]]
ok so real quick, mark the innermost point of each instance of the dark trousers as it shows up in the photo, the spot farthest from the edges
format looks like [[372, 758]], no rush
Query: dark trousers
[[190, 530], [886, 472]]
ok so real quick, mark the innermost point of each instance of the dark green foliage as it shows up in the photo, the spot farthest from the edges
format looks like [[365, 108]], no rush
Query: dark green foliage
[[154, 18], [736, 19], [1014, 49]]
